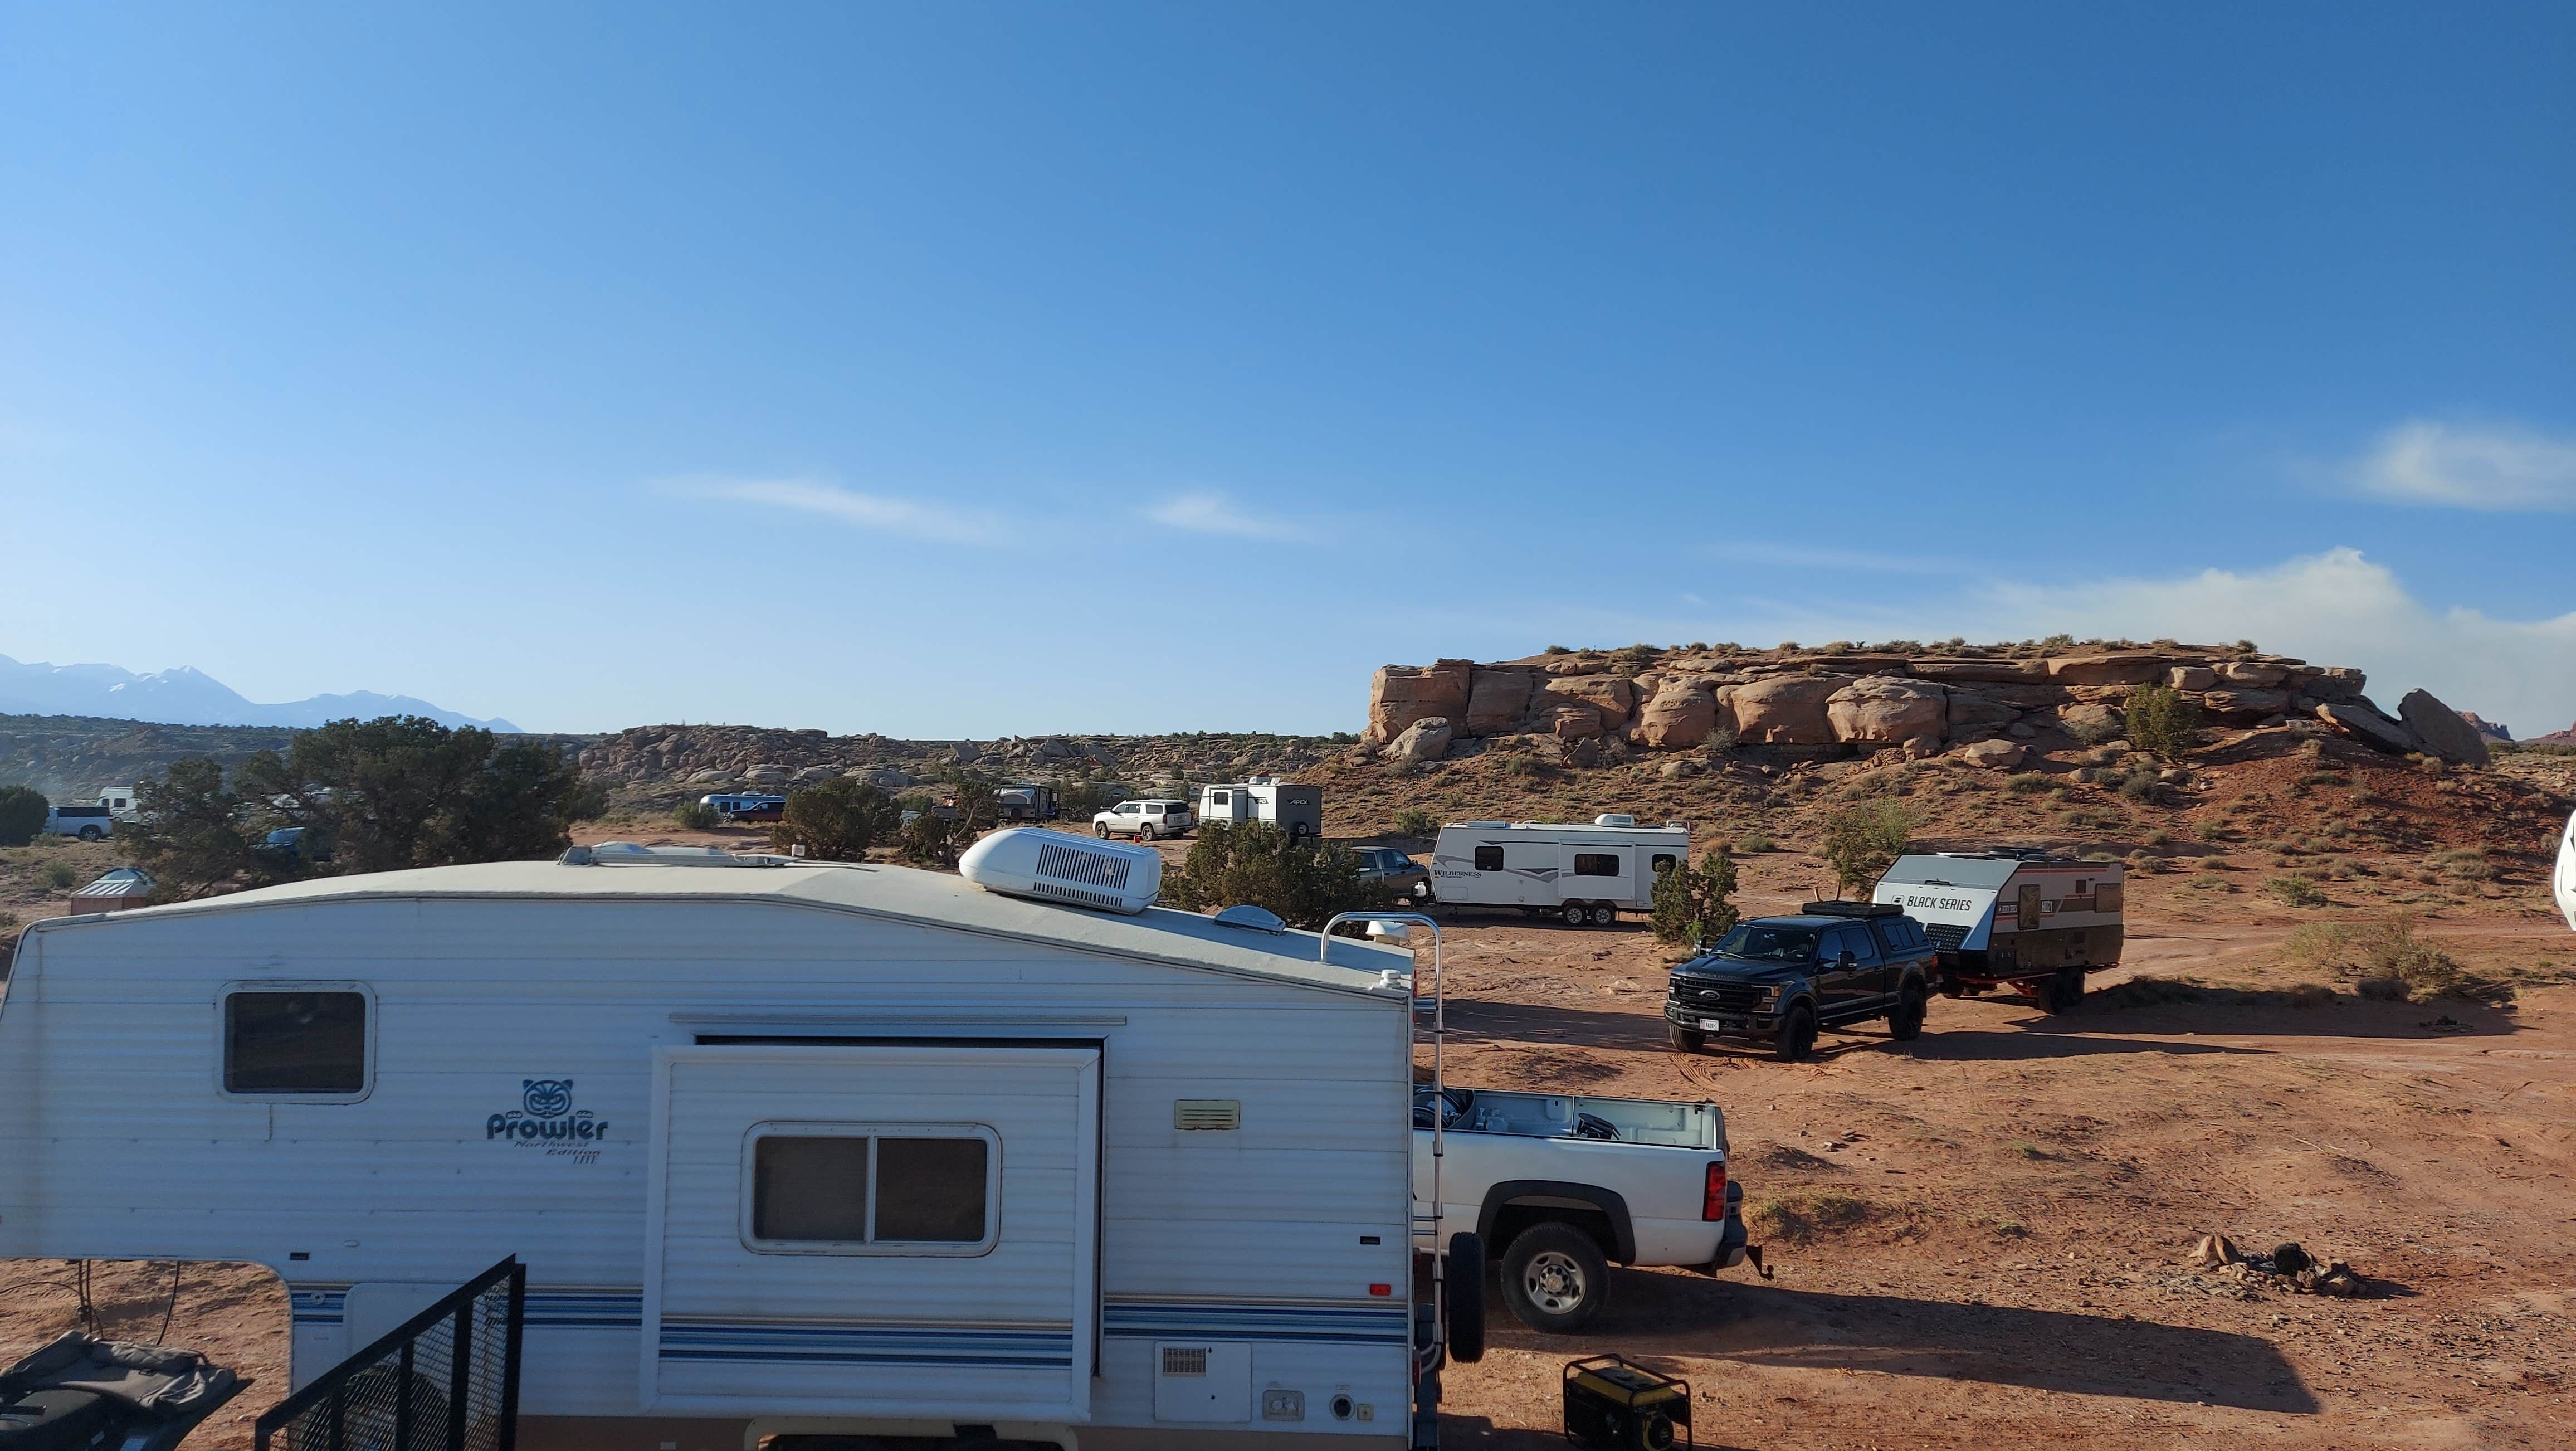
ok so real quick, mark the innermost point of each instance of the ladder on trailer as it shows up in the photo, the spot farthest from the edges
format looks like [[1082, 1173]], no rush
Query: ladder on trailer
[[1429, 1355]]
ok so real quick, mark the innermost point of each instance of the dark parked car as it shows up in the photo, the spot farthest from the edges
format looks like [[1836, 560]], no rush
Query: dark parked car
[[1780, 979], [1406, 877]]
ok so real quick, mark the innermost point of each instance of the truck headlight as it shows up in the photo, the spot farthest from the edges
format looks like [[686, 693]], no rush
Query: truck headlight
[[1771, 996]]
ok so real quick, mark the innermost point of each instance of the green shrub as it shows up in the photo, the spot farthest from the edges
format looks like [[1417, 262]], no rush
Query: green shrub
[[57, 875], [2024, 783], [1754, 841], [1417, 823], [2389, 960], [1862, 841], [2142, 785], [2163, 721], [2211, 864], [1259, 864], [22, 815], [2295, 891], [695, 816], [1798, 1218], [1694, 906], [837, 821], [2093, 731], [1558, 650], [2158, 837]]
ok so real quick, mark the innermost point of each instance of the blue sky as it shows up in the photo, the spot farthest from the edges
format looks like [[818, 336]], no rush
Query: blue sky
[[979, 370]]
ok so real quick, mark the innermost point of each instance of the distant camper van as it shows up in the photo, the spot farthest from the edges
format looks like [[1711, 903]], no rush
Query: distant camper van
[[89, 823]]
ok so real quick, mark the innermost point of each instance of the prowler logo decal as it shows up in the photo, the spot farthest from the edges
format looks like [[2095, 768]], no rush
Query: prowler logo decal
[[545, 1115]]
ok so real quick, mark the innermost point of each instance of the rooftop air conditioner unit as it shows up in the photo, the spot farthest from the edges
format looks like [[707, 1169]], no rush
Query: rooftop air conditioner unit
[[1053, 866]]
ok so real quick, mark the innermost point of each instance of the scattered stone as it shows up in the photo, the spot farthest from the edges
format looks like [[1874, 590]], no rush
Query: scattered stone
[[1995, 755], [2215, 1250]]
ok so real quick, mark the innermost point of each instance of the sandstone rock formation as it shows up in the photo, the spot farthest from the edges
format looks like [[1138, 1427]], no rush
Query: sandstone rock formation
[[1846, 700]]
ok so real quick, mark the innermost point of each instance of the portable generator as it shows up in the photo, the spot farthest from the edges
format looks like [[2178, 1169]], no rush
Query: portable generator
[[1613, 1405]]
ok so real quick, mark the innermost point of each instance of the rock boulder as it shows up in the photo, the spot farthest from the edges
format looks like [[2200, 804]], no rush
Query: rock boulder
[[1681, 715], [2442, 729], [1885, 709], [1612, 697], [1994, 755], [2108, 669], [1786, 710], [1424, 740], [2368, 726]]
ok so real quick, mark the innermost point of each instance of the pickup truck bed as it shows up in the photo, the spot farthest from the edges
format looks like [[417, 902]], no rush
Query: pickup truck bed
[[1562, 1186]]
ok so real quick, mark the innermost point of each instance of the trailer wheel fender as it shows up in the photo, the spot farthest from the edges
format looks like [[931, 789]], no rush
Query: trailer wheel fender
[[1540, 1195]]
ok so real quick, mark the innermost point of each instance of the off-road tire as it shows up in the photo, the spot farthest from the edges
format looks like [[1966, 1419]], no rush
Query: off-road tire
[[1905, 1023], [1462, 1282], [1571, 1275], [1797, 1038], [1574, 914], [1604, 915], [1684, 1040], [2066, 989]]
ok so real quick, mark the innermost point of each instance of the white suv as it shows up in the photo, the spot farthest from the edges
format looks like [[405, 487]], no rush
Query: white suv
[[1145, 820]]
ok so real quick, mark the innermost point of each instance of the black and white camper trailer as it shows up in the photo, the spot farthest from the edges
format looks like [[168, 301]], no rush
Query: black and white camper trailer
[[2025, 920], [1294, 809], [785, 1147]]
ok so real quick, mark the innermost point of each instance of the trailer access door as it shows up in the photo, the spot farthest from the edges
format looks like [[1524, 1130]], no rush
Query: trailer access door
[[873, 1231]]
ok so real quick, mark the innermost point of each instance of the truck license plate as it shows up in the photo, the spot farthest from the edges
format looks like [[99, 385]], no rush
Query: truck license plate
[[1721, 1025]]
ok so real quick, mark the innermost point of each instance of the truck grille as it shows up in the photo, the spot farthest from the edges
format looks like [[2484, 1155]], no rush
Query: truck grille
[[1733, 997], [1944, 935]]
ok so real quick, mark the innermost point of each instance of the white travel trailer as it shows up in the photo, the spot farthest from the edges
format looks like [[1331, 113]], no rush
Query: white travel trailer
[[1296, 810], [787, 1147], [1582, 873], [2563, 880], [122, 802], [2022, 919]]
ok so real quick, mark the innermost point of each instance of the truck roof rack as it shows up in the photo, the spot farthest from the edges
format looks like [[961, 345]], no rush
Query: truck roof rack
[[1852, 909]]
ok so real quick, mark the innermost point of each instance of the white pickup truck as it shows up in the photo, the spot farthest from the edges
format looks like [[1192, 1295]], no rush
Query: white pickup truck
[[1561, 1187]]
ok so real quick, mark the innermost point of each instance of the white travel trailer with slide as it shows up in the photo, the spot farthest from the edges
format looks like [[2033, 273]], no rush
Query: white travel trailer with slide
[[789, 1149], [2011, 917], [2563, 881], [1296, 810], [1580, 873]]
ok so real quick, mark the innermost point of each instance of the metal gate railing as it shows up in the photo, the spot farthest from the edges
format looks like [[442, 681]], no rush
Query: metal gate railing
[[446, 1380]]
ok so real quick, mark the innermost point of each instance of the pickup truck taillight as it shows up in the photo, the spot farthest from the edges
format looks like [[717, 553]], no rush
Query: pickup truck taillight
[[1712, 1203]]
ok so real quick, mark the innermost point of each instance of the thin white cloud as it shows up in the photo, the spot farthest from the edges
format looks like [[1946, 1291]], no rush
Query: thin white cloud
[[2496, 467], [879, 513], [1802, 556], [1210, 513]]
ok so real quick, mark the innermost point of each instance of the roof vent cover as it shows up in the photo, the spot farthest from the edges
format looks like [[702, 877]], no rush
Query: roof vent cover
[[1052, 866], [1258, 919]]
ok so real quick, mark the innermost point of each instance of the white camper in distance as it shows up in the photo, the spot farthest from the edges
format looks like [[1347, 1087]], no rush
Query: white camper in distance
[[787, 1147], [1296, 810], [1579, 873]]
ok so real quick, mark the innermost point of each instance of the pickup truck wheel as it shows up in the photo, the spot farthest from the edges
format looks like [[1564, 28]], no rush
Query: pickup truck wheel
[[1604, 915], [1574, 914], [1684, 1040], [91, 833], [1906, 1023], [1797, 1034], [1554, 1278]]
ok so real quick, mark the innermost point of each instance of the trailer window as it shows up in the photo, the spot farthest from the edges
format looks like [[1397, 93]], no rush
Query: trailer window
[[1220, 798], [1665, 861], [1489, 859], [871, 1189], [295, 1043], [1596, 864]]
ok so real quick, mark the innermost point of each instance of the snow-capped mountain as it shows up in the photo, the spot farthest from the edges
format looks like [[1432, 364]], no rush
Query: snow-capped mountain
[[187, 696]]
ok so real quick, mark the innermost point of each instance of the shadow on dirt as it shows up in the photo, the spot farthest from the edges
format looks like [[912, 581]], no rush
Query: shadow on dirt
[[1656, 1319]]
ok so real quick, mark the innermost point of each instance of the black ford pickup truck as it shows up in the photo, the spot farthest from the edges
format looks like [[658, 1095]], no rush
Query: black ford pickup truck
[[1780, 979]]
